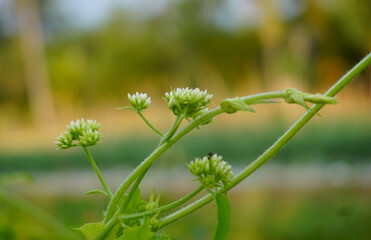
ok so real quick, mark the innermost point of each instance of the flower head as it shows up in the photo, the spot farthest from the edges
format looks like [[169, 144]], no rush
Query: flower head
[[211, 171], [89, 137], [139, 101], [190, 102], [65, 140], [79, 133]]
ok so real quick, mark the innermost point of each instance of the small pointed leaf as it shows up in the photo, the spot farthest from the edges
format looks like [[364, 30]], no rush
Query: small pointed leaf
[[129, 108], [232, 105], [96, 191]]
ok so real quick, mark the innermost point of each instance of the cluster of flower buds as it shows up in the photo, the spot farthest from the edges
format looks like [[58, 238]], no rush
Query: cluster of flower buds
[[139, 101], [190, 102], [211, 171], [79, 133], [295, 96]]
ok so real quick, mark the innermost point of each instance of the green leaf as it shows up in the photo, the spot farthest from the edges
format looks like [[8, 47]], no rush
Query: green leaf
[[137, 204], [142, 232], [90, 230], [96, 191], [232, 105], [113, 233], [223, 208], [161, 237]]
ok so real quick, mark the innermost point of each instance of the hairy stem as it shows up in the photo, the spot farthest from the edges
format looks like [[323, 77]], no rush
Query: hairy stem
[[347, 78], [96, 169]]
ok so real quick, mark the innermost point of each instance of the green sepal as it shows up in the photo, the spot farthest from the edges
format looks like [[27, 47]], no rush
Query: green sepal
[[129, 108], [152, 203], [96, 191], [232, 105], [223, 210]]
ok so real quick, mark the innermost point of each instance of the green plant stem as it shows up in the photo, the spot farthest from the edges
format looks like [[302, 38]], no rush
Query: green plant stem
[[114, 220], [133, 189], [38, 213], [96, 169], [109, 225], [173, 129], [149, 124], [163, 208], [347, 78], [146, 163]]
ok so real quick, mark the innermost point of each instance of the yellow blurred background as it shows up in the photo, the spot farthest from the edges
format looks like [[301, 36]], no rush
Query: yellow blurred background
[[65, 60]]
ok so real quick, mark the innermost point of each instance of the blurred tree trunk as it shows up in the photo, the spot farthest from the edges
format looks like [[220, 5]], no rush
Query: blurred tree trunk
[[32, 51], [270, 34]]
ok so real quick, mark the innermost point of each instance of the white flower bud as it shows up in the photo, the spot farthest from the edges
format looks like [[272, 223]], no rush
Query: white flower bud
[[190, 102], [211, 171], [139, 101], [79, 133]]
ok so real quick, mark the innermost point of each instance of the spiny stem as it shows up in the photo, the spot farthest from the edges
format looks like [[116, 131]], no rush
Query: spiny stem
[[94, 165], [149, 124], [348, 77], [163, 208]]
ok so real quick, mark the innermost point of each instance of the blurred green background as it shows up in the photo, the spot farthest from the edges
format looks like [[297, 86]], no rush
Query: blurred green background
[[64, 60]]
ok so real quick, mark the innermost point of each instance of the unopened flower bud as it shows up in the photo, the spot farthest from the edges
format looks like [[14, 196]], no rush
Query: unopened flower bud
[[139, 101], [190, 102], [80, 132], [89, 137], [211, 171]]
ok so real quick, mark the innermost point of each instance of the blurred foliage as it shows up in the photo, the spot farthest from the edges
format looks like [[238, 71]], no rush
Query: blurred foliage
[[236, 146], [328, 213], [186, 41]]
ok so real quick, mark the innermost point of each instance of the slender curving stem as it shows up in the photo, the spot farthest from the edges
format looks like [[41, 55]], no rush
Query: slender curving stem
[[149, 124], [146, 163], [96, 169], [337, 87], [163, 208]]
